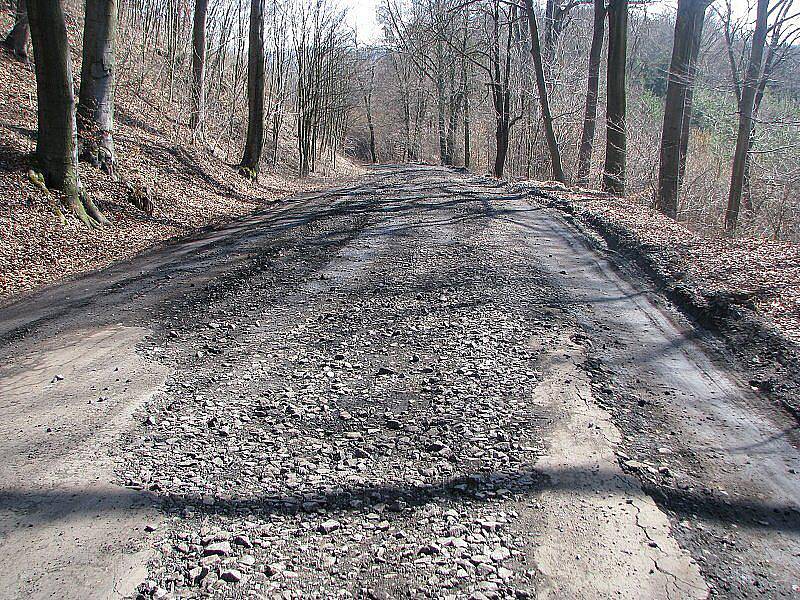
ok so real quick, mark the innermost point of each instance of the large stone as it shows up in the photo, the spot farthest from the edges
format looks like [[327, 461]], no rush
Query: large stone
[[221, 548], [329, 526], [231, 575]]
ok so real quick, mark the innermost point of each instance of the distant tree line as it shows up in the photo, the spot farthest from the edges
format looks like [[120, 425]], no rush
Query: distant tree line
[[533, 70], [696, 112]]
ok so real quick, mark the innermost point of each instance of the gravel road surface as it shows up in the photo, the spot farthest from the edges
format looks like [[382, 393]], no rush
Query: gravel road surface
[[419, 386]]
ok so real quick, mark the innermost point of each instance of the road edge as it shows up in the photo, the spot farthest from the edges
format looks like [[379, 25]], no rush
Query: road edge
[[745, 336]]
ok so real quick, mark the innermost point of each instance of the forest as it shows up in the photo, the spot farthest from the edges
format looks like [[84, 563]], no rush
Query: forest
[[400, 299], [689, 109]]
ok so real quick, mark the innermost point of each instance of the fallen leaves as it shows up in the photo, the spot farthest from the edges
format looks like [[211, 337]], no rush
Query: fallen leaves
[[760, 274]]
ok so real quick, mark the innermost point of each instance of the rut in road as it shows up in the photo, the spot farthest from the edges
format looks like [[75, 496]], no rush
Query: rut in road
[[408, 391]]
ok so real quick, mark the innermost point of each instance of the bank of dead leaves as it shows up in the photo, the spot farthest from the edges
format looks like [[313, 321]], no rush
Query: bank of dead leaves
[[193, 186], [756, 273]]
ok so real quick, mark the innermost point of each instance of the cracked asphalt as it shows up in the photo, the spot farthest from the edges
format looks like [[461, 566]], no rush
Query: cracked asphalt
[[421, 385]]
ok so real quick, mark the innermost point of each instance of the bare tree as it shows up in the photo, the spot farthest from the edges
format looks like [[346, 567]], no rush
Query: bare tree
[[746, 105], [677, 112], [16, 41], [783, 35], [555, 18], [689, 101], [465, 90], [324, 71], [500, 57], [402, 72], [96, 97], [592, 85], [616, 104], [366, 84], [547, 118], [279, 92], [197, 111], [254, 142], [426, 38]]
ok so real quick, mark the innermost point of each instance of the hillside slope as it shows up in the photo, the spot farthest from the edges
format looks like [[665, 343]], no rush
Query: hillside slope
[[193, 187]]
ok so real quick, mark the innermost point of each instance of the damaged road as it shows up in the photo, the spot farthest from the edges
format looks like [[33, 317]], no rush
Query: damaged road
[[423, 385]]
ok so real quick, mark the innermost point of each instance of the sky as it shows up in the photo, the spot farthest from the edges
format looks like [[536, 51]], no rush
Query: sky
[[361, 15]]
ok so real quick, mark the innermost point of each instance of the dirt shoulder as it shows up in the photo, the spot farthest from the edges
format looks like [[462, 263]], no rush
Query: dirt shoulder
[[81, 535], [745, 291]]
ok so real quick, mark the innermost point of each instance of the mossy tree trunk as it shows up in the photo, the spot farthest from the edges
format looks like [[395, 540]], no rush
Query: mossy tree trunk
[[98, 78], [57, 135]]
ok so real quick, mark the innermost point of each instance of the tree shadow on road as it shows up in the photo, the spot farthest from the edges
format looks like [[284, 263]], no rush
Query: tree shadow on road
[[482, 487]]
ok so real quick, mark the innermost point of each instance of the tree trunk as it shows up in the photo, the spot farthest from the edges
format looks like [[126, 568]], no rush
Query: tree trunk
[[16, 41], [407, 151], [454, 108], [255, 92], [749, 90], [467, 158], [555, 16], [372, 149], [592, 85], [441, 103], [501, 139], [465, 89], [198, 107], [96, 99], [769, 64], [441, 119], [57, 135], [502, 105], [549, 21], [700, 17], [547, 118], [688, 23], [614, 169], [422, 109]]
